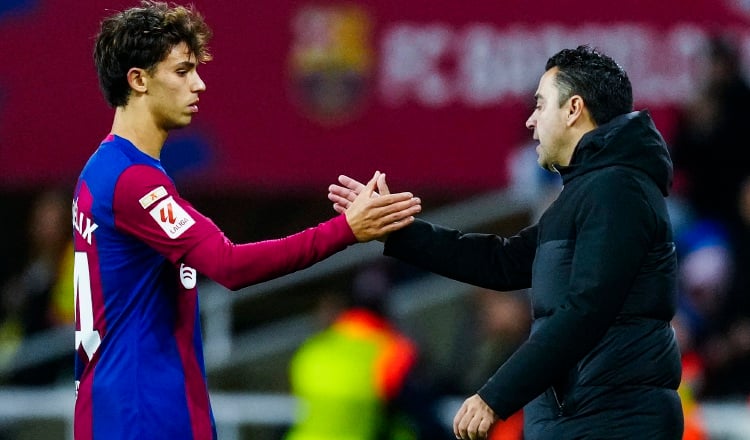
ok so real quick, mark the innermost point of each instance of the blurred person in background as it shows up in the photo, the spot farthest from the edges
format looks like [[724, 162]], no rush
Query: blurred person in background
[[704, 278], [726, 349], [710, 135], [602, 360], [351, 378], [501, 323], [714, 282], [38, 299], [139, 245]]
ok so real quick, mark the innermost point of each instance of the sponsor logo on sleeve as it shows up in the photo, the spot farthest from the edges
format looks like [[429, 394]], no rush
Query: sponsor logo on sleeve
[[153, 196], [171, 217], [188, 276]]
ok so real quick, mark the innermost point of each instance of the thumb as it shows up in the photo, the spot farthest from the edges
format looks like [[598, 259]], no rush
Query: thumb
[[369, 189], [382, 186]]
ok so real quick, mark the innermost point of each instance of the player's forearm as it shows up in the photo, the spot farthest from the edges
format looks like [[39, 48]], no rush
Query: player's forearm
[[239, 265]]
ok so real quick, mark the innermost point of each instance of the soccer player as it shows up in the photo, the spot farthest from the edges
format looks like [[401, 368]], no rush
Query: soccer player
[[139, 245]]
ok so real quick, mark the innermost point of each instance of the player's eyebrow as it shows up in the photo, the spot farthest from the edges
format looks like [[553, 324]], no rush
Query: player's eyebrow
[[188, 65]]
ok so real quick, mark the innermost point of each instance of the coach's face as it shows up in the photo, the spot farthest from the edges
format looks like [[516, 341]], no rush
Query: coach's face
[[551, 124]]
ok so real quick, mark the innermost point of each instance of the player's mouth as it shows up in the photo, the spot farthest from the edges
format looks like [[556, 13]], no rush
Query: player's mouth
[[193, 107]]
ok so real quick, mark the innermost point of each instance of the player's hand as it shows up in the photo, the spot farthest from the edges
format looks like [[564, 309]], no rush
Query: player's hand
[[343, 195], [474, 419], [371, 215]]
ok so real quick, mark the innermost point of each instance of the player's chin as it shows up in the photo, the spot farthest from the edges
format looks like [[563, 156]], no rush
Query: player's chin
[[181, 122]]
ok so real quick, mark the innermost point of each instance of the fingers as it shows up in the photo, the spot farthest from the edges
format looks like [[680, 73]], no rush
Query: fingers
[[372, 215], [478, 427], [457, 422], [394, 212], [400, 221], [472, 427], [343, 196], [351, 184], [373, 218], [473, 420], [369, 189], [391, 217], [382, 186]]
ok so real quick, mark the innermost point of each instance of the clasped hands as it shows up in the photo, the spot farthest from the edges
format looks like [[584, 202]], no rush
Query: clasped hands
[[373, 214], [475, 418]]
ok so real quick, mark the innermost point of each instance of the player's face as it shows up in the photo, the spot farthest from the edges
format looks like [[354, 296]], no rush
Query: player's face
[[174, 87], [549, 123]]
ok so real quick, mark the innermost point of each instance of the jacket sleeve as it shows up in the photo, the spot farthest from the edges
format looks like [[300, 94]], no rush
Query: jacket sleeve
[[614, 226], [484, 260]]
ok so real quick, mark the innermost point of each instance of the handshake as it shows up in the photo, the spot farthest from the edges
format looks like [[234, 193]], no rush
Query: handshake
[[371, 211]]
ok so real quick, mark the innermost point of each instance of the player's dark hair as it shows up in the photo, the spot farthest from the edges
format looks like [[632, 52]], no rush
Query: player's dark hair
[[142, 37], [595, 77]]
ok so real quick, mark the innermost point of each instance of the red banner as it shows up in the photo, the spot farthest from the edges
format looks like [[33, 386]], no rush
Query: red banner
[[433, 93]]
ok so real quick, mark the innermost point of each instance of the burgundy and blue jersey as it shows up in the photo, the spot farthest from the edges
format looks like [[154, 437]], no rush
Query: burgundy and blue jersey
[[138, 248]]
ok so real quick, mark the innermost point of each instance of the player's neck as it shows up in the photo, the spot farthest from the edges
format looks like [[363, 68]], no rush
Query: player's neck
[[140, 129]]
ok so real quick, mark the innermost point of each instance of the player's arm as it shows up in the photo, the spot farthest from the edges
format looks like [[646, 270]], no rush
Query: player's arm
[[238, 265], [485, 260], [148, 206]]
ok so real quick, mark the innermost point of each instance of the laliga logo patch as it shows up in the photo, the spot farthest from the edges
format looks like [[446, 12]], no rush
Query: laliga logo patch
[[171, 217], [188, 276]]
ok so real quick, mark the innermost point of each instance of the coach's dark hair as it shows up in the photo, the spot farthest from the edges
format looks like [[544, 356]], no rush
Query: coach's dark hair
[[142, 37], [597, 78]]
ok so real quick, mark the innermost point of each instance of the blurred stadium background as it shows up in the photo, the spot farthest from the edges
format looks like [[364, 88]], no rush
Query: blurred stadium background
[[434, 93]]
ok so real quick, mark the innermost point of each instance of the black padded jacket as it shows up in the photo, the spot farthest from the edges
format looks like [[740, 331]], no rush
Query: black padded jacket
[[602, 360]]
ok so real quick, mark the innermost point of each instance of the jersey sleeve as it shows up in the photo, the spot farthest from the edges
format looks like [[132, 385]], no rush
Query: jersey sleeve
[[148, 206], [238, 265]]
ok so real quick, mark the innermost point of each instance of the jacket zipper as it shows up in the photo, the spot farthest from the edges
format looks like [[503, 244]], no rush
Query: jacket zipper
[[560, 405]]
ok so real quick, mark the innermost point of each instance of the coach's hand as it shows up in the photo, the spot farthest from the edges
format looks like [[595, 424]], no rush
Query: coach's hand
[[474, 419], [371, 215]]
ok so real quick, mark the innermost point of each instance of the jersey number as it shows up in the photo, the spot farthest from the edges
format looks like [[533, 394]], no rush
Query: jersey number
[[86, 336]]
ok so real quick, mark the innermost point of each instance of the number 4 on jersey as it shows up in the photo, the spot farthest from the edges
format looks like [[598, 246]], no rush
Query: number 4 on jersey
[[86, 336]]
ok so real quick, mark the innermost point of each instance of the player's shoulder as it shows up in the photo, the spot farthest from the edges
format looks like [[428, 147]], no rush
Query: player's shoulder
[[107, 162], [117, 158]]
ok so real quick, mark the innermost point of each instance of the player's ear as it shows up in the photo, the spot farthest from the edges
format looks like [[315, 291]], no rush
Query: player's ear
[[137, 79]]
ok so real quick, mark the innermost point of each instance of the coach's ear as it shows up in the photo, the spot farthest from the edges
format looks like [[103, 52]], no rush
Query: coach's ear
[[138, 79], [576, 109]]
